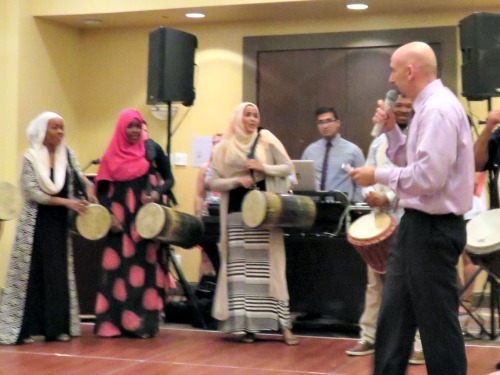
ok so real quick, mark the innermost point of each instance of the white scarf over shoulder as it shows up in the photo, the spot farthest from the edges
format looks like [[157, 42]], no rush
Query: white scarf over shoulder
[[231, 154], [38, 155]]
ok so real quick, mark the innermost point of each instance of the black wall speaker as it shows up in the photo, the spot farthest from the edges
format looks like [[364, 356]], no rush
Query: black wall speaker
[[171, 66], [480, 45]]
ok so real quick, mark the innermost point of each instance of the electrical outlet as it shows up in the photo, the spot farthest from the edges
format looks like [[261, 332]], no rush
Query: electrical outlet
[[180, 158]]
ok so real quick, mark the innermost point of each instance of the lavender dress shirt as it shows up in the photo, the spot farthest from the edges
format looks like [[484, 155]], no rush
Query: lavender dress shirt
[[435, 162]]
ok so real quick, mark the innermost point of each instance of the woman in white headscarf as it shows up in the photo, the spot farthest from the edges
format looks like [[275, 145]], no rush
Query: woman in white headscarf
[[252, 293], [39, 296]]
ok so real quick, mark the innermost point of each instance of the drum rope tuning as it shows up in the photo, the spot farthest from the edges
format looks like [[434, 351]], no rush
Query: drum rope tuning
[[371, 235], [296, 212], [166, 225], [266, 209]]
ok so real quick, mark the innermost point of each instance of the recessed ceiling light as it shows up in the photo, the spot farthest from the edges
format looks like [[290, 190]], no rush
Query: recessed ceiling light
[[358, 6], [93, 22], [195, 15]]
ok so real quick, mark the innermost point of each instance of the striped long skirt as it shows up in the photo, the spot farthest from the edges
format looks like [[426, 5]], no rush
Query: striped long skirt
[[251, 308]]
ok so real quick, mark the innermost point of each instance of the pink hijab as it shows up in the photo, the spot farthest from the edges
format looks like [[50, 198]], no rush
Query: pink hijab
[[124, 161]]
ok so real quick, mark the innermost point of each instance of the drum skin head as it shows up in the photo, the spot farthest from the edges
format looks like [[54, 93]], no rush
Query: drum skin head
[[10, 201], [150, 220], [95, 223], [370, 226], [483, 232], [254, 208]]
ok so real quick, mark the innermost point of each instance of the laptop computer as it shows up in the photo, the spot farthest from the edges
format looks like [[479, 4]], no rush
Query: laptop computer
[[306, 176]]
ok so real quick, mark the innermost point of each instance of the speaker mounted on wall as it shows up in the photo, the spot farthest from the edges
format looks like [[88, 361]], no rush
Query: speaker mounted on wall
[[171, 66], [480, 46]]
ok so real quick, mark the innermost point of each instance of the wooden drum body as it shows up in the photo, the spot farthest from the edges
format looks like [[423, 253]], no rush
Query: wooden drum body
[[95, 223], [265, 209], [154, 221], [10, 201], [371, 235], [483, 241]]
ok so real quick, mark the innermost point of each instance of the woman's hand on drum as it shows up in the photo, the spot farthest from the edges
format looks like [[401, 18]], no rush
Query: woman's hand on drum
[[116, 225], [92, 198], [255, 165], [76, 205], [149, 198], [374, 199], [363, 176], [246, 181]]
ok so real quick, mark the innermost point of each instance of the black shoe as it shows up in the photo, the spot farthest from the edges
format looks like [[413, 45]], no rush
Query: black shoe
[[362, 347]]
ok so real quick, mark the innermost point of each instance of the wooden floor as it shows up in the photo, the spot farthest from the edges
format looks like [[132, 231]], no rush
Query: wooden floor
[[188, 351]]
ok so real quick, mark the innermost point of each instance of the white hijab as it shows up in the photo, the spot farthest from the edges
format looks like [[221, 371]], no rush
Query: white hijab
[[231, 153], [38, 154]]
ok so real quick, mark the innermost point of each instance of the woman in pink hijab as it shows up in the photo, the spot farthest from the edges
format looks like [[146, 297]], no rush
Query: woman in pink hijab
[[130, 294]]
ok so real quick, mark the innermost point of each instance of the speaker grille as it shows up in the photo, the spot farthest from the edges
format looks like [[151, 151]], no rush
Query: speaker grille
[[171, 66], [480, 46]]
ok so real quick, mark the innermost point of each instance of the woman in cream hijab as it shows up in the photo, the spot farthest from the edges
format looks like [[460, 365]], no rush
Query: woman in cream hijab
[[39, 296], [252, 293]]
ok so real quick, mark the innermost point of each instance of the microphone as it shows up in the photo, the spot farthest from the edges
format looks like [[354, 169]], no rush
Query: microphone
[[390, 99], [92, 162], [251, 153]]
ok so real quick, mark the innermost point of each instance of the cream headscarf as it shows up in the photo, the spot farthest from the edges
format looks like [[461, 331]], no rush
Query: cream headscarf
[[231, 153], [38, 154]]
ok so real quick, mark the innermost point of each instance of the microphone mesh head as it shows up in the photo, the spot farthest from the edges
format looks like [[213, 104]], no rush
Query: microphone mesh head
[[391, 96]]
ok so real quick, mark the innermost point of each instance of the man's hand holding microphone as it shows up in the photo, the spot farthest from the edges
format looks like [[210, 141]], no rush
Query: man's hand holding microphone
[[384, 120]]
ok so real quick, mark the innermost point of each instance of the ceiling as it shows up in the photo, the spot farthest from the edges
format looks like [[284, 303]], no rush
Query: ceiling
[[289, 11]]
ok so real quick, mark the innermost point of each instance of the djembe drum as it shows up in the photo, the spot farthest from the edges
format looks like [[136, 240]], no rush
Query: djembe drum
[[154, 221], [371, 235], [265, 210], [95, 223], [10, 201], [483, 241]]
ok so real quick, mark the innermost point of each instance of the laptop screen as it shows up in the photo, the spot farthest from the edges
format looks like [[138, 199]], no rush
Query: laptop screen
[[306, 176]]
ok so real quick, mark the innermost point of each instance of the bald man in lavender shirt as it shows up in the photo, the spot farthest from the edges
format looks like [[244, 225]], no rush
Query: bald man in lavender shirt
[[433, 179]]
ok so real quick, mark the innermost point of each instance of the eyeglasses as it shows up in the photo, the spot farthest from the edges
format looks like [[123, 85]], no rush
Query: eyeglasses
[[326, 121]]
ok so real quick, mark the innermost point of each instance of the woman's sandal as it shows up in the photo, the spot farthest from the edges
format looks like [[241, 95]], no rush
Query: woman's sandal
[[249, 337], [28, 340], [63, 337], [291, 340]]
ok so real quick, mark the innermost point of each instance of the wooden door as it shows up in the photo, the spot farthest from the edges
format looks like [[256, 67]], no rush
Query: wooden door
[[292, 84]]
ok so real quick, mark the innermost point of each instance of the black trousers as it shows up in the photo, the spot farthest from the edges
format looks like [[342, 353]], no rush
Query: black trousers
[[210, 247], [421, 291], [47, 305]]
